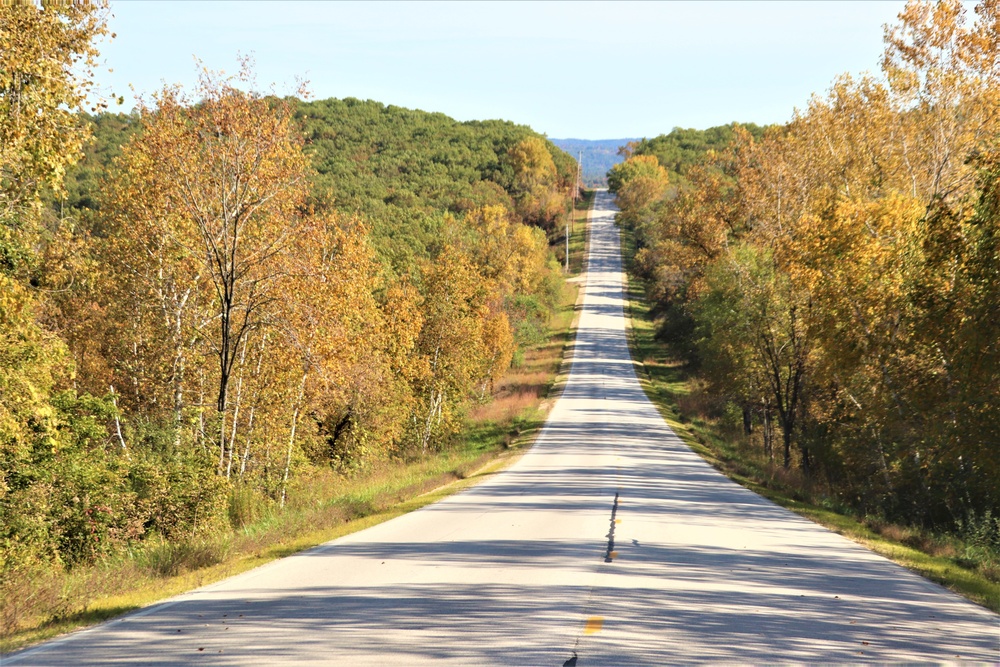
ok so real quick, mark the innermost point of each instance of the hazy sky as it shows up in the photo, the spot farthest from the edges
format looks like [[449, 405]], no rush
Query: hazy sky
[[589, 70]]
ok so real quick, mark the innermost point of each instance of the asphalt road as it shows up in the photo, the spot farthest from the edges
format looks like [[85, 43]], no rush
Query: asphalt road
[[610, 542]]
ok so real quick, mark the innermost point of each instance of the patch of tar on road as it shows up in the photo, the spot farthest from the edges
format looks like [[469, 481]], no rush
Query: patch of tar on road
[[594, 624], [610, 554]]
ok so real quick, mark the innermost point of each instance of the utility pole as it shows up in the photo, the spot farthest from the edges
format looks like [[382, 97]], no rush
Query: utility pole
[[579, 182], [579, 172], [571, 221]]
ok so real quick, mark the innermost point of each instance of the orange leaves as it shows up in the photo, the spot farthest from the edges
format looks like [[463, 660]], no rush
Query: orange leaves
[[466, 340], [215, 254], [839, 264]]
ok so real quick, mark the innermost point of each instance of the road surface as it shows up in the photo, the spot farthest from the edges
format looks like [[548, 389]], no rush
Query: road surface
[[609, 542]]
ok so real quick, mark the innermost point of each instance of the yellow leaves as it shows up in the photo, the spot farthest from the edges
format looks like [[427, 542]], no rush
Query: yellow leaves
[[466, 340], [32, 363], [533, 165], [404, 320], [858, 263], [330, 311], [857, 234], [508, 252], [945, 81], [41, 89], [638, 181], [536, 188]]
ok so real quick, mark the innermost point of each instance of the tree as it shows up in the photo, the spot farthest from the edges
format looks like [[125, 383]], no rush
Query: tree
[[536, 182], [51, 440], [46, 56], [683, 149], [844, 264], [753, 326], [462, 342], [945, 83], [508, 253], [225, 180], [340, 334]]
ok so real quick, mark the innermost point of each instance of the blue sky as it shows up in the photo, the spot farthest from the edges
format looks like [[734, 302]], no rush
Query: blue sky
[[590, 70]]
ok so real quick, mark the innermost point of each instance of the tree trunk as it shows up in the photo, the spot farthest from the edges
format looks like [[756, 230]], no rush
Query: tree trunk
[[201, 408], [118, 425], [236, 411], [786, 435], [768, 431], [338, 430], [253, 408], [291, 436], [436, 399]]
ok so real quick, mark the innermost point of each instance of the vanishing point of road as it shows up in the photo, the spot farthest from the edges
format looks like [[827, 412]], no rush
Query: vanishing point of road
[[609, 543]]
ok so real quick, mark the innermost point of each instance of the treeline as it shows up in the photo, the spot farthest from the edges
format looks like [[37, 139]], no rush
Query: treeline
[[402, 169], [207, 299], [684, 148], [838, 278]]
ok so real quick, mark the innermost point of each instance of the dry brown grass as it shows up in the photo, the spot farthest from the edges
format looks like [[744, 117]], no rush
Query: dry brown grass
[[929, 543], [52, 595], [505, 408], [525, 377], [697, 402]]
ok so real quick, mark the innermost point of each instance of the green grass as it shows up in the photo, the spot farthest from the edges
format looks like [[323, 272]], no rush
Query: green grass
[[673, 389], [577, 223], [578, 235], [360, 504], [325, 506]]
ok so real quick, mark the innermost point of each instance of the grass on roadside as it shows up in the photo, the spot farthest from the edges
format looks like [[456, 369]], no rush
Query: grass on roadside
[[578, 235], [89, 595], [674, 390], [324, 506]]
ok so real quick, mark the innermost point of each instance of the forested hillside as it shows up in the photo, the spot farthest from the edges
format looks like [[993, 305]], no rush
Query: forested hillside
[[837, 278], [217, 295], [402, 169]]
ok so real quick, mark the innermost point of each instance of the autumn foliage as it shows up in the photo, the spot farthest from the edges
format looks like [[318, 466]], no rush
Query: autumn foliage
[[213, 317], [837, 277]]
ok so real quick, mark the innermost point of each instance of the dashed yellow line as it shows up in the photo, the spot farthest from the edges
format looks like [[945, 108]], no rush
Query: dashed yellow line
[[593, 625]]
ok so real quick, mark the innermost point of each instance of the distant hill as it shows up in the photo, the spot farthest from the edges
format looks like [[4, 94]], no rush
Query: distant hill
[[598, 156]]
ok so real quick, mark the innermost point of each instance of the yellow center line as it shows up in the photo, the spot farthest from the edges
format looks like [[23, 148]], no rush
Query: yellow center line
[[594, 624]]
